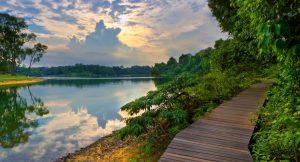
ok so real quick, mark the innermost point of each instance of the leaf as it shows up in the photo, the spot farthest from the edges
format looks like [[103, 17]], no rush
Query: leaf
[[298, 108], [279, 46], [292, 123], [277, 29], [262, 28], [297, 138], [284, 29], [264, 43], [296, 49]]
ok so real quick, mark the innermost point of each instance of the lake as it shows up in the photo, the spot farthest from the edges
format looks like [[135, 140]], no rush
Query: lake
[[44, 121]]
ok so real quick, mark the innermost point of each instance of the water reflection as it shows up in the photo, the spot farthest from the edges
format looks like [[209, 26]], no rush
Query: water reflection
[[67, 115], [84, 82], [14, 120]]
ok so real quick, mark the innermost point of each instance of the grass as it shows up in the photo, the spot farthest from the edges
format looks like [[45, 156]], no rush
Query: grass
[[8, 79], [110, 148]]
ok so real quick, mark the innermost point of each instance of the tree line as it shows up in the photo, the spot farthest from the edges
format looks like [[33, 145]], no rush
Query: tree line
[[80, 70], [198, 63]]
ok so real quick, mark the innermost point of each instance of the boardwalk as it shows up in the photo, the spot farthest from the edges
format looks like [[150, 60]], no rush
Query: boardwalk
[[223, 134]]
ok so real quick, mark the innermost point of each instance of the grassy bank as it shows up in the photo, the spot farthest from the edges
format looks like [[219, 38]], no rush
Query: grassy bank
[[110, 148], [7, 79]]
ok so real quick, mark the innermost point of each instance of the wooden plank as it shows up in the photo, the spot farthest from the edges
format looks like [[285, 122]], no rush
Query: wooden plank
[[211, 140], [214, 150], [201, 145], [238, 125], [200, 155], [222, 128], [222, 135], [184, 158]]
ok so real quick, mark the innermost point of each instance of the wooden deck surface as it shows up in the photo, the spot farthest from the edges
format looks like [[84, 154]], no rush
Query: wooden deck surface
[[223, 134]]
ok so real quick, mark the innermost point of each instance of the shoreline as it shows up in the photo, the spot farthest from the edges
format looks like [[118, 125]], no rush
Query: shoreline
[[19, 82], [80, 151], [101, 149], [110, 148]]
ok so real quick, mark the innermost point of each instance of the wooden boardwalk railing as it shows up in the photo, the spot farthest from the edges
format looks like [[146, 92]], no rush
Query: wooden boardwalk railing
[[223, 134]]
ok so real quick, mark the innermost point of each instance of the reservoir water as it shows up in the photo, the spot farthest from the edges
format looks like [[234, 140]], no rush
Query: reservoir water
[[44, 121]]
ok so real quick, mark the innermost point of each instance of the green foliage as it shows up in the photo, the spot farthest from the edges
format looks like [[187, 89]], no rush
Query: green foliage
[[198, 64], [225, 13], [161, 109], [4, 67], [8, 77], [13, 43], [198, 84], [239, 29], [277, 30], [180, 102], [80, 70], [229, 55], [146, 148], [262, 33], [279, 125], [14, 116], [36, 53]]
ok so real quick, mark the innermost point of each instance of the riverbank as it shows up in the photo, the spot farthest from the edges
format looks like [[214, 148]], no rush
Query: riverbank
[[7, 79], [110, 148]]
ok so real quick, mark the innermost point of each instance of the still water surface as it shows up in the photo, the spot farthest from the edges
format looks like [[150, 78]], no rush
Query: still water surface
[[44, 121]]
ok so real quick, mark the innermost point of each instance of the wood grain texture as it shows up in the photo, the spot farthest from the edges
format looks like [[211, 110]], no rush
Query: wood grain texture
[[222, 135]]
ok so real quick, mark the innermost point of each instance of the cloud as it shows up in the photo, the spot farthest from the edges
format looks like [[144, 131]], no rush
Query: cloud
[[192, 41], [38, 29], [137, 31], [102, 41], [101, 46]]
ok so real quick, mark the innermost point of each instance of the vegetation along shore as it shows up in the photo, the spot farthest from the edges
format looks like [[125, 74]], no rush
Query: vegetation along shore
[[7, 79]]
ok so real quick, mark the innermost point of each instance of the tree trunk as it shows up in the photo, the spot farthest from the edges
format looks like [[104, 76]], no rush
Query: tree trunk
[[29, 67], [28, 71], [13, 67]]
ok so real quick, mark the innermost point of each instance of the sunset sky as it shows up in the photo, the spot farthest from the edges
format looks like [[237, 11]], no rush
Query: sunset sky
[[117, 32]]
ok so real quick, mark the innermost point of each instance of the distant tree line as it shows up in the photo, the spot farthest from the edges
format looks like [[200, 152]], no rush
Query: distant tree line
[[197, 64], [17, 44], [80, 70]]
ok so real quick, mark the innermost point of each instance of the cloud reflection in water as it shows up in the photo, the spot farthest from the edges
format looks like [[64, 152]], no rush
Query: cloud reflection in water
[[77, 117]]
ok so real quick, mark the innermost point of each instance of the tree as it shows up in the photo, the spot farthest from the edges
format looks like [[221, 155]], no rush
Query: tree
[[172, 62], [13, 39], [225, 13], [185, 58], [36, 53], [277, 33], [4, 67], [14, 114]]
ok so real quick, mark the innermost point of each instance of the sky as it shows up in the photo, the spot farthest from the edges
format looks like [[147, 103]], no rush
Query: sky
[[117, 32]]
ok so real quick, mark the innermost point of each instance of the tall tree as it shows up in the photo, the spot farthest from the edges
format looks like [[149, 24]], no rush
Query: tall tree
[[225, 13], [35, 54], [13, 39]]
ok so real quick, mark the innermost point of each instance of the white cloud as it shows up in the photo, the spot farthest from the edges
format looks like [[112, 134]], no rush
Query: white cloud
[[149, 30]]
